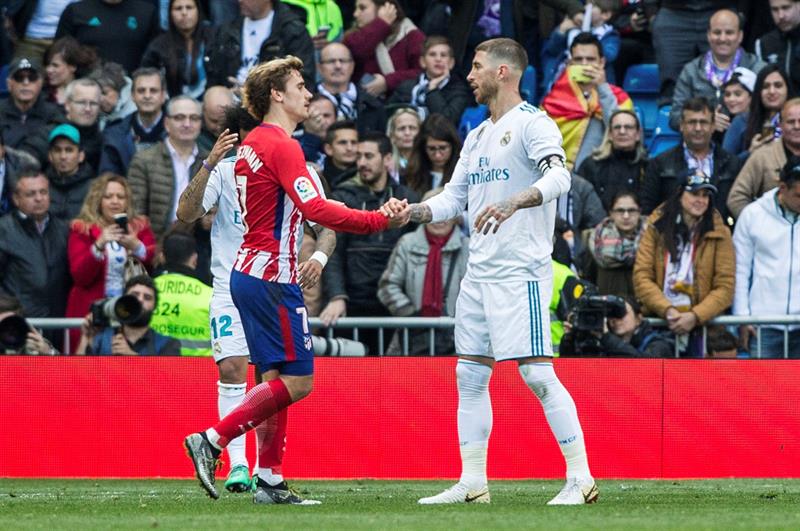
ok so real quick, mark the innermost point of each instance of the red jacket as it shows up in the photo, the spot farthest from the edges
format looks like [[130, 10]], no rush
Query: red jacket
[[405, 53], [88, 273]]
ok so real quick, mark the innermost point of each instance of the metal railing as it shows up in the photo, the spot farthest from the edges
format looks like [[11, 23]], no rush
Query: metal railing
[[404, 324]]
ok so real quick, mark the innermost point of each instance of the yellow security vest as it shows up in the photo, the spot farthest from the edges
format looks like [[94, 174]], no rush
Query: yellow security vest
[[321, 13], [560, 275], [182, 312]]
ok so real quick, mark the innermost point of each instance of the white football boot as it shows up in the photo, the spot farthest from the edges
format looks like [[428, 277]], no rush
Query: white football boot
[[576, 492], [459, 493]]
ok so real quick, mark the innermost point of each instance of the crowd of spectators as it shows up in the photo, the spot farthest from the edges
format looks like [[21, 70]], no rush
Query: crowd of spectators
[[111, 106]]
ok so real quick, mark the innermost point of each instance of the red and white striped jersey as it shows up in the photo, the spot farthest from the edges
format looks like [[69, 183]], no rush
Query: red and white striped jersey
[[276, 194]]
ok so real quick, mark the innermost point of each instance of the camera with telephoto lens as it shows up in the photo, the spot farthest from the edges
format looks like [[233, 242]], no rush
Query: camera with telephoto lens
[[338, 346], [115, 311], [13, 333], [586, 309]]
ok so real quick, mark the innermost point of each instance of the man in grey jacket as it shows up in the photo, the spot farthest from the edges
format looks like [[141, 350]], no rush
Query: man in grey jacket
[[706, 74], [767, 242]]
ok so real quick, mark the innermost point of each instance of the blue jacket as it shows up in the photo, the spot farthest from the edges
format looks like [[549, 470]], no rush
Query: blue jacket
[[119, 145]]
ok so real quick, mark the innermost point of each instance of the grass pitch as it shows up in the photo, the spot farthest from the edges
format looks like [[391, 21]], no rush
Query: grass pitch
[[173, 504]]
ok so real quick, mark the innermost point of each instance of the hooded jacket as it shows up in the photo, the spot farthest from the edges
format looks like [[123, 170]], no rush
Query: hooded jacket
[[767, 259], [67, 192]]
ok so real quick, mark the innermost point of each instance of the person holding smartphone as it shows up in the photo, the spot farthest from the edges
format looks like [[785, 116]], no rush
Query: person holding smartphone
[[582, 101], [105, 234]]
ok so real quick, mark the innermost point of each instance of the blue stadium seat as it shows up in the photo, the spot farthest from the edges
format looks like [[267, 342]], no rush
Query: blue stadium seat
[[3, 76], [470, 119], [642, 79], [664, 137], [647, 109], [527, 85]]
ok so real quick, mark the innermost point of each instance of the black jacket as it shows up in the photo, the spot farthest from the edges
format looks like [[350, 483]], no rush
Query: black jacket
[[669, 170], [19, 128], [335, 176], [613, 175], [645, 343], [450, 101], [158, 52], [357, 263], [289, 37], [33, 266], [370, 111], [781, 48], [68, 192]]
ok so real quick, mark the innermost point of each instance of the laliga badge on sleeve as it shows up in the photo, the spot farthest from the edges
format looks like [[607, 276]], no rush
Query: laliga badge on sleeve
[[305, 190]]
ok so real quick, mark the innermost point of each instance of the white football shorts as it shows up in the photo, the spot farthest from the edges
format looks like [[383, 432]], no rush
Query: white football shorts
[[227, 333], [504, 320]]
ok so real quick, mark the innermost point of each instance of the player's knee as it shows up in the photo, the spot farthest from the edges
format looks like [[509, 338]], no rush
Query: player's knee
[[299, 387], [472, 378], [539, 377], [233, 370]]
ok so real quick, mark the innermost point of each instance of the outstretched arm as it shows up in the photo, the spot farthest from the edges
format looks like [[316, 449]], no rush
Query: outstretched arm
[[190, 205]]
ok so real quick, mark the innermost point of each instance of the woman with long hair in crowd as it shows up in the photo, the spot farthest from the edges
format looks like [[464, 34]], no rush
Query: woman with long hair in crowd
[[761, 123], [66, 60], [613, 245], [684, 268], [100, 244], [434, 155], [181, 50], [402, 129], [386, 46]]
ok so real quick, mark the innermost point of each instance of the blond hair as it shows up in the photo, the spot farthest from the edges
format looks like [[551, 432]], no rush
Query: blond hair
[[90, 213], [269, 75]]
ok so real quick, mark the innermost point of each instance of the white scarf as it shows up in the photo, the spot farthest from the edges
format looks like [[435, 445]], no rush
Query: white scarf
[[345, 102], [382, 50]]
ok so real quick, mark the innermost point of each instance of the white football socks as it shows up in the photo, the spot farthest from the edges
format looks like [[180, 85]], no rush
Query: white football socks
[[559, 409], [474, 421], [229, 397]]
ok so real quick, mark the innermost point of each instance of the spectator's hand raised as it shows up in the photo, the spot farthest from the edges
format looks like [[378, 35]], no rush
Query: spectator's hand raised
[[388, 12], [596, 72], [225, 142], [759, 141], [721, 120], [378, 85], [309, 273], [110, 233]]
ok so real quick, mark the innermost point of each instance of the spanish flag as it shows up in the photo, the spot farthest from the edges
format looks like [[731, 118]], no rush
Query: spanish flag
[[568, 107]]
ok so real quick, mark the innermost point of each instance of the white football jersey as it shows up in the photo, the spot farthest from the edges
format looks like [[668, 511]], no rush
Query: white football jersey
[[499, 160], [227, 230]]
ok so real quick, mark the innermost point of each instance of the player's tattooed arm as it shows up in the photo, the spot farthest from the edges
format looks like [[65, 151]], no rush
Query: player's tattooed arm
[[309, 272], [190, 204], [491, 217], [326, 239], [420, 213]]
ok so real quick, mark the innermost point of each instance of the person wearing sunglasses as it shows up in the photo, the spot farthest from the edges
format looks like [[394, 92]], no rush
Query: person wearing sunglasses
[[25, 111]]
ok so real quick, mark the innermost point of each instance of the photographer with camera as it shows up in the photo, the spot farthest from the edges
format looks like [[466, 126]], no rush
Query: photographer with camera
[[607, 325], [16, 335], [120, 326]]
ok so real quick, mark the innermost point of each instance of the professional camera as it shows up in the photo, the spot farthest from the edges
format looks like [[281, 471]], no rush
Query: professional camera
[[338, 346], [13, 333], [115, 311], [587, 309]]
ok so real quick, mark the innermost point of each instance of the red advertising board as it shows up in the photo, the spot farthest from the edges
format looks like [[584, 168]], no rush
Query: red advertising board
[[395, 418]]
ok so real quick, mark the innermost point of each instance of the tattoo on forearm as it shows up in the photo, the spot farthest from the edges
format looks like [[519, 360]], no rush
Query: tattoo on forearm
[[531, 197], [190, 204], [326, 239], [421, 213]]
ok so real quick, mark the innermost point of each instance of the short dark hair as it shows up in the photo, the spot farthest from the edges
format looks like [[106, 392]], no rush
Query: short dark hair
[[719, 339], [149, 71], [697, 104], [142, 280], [790, 173], [586, 38], [505, 50], [338, 126], [178, 247], [10, 304], [384, 144], [237, 119]]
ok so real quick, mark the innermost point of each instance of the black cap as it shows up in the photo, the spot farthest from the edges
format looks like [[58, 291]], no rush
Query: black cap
[[697, 182], [22, 63]]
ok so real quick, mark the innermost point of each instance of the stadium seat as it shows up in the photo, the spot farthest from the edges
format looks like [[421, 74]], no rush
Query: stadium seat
[[470, 118], [664, 137], [642, 79], [3, 76], [527, 85]]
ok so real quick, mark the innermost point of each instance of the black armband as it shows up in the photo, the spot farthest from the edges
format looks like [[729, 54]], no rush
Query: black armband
[[549, 162]]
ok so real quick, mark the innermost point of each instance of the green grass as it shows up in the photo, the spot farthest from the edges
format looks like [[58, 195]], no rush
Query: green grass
[[171, 504]]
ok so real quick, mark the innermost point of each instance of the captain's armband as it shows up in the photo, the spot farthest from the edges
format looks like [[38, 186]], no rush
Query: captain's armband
[[549, 162]]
